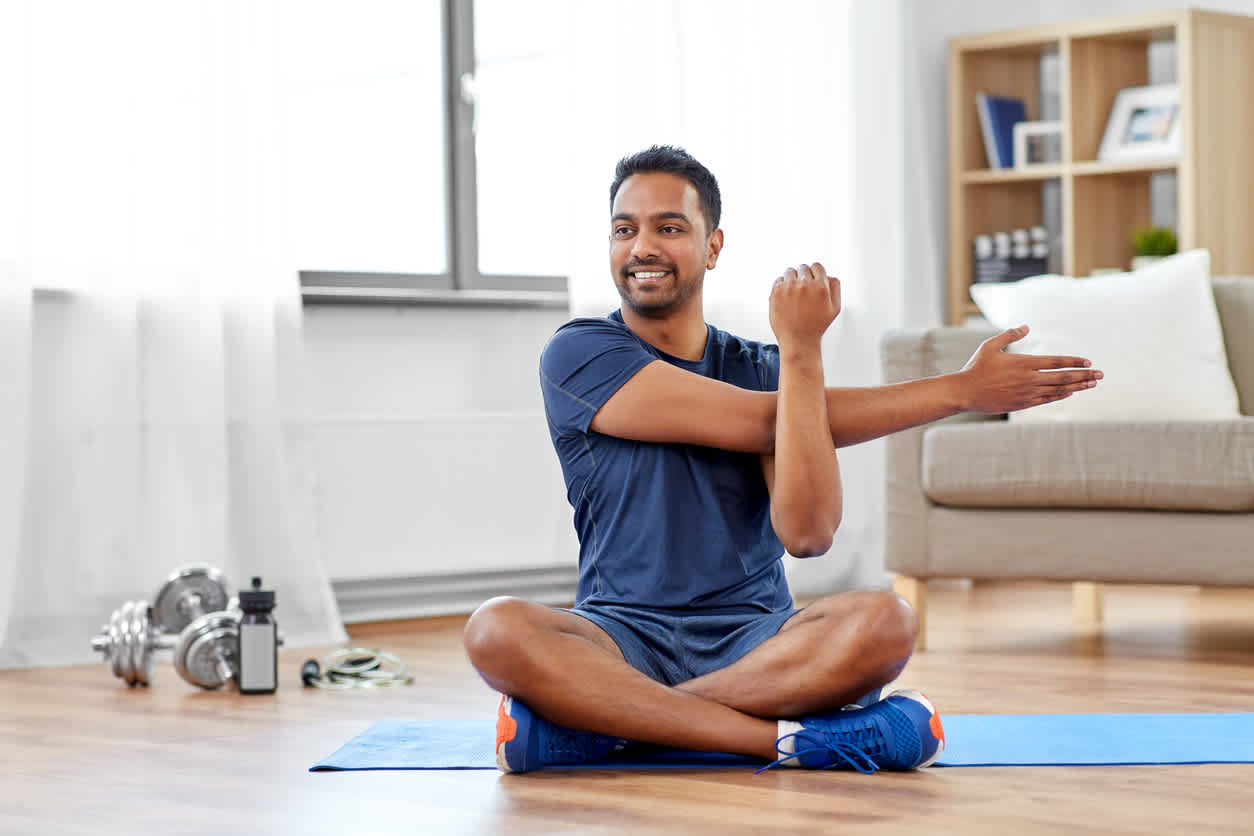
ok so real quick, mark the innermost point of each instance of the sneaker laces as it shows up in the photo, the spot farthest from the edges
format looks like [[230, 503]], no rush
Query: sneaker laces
[[852, 746], [563, 745]]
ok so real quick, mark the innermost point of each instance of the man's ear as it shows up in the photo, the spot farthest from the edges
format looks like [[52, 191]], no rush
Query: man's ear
[[712, 248]]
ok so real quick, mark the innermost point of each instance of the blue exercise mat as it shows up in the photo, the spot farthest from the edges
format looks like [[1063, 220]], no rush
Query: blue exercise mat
[[1096, 739], [971, 740], [403, 744]]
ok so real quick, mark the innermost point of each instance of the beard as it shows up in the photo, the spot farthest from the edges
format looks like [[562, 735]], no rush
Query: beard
[[658, 301]]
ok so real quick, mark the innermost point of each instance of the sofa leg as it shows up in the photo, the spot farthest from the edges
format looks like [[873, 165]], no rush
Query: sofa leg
[[914, 590], [1086, 604]]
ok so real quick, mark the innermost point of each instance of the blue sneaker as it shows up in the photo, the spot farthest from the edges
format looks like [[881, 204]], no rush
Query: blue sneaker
[[900, 732], [526, 741]]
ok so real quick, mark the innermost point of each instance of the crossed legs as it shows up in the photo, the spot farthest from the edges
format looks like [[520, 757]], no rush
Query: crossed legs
[[570, 671]]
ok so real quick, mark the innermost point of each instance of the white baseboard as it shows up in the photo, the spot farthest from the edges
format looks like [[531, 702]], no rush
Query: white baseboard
[[414, 597]]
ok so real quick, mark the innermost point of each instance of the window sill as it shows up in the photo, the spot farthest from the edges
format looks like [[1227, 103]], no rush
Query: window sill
[[554, 299], [418, 297]]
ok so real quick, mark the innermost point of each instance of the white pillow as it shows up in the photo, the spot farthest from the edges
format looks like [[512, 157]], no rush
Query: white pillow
[[1154, 333]]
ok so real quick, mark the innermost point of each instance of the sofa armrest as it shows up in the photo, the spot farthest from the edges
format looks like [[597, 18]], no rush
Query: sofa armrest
[[1234, 299], [910, 355]]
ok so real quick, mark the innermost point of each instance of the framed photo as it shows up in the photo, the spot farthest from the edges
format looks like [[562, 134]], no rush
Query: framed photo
[[1037, 144], [1144, 125]]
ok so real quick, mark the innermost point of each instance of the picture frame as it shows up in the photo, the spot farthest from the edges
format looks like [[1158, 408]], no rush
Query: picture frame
[[1144, 125], [1037, 144]]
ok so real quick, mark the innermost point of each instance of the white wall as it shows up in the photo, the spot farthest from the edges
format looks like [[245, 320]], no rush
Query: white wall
[[431, 448], [928, 27]]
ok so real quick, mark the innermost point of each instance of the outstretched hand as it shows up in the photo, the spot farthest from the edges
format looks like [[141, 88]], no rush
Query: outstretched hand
[[998, 381]]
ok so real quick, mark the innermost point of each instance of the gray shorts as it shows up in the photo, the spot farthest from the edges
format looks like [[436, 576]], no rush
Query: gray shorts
[[673, 646]]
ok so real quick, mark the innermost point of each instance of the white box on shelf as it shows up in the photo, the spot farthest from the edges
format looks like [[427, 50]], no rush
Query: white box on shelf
[[1037, 144]]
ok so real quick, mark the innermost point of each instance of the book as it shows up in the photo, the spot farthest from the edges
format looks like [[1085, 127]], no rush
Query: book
[[998, 115]]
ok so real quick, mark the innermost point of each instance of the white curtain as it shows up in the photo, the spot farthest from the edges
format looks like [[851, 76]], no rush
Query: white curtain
[[797, 107], [151, 333]]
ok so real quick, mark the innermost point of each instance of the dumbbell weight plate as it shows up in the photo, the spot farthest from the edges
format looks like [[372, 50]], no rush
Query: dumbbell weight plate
[[126, 652], [205, 645], [174, 605], [128, 643], [116, 643], [140, 644], [119, 655]]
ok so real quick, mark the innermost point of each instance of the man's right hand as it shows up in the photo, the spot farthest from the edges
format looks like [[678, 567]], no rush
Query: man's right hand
[[804, 302]]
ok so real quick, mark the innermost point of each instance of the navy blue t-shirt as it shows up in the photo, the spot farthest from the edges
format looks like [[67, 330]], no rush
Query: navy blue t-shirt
[[661, 525]]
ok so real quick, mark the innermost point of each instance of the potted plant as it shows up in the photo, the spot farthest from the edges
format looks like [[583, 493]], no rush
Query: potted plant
[[1151, 243]]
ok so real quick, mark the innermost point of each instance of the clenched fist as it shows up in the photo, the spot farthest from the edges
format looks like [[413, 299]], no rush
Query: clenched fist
[[804, 302]]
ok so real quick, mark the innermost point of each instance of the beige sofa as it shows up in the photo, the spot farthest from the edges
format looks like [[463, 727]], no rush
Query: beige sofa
[[1085, 502]]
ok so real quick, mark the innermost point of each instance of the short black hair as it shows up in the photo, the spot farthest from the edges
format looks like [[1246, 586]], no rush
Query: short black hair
[[673, 160]]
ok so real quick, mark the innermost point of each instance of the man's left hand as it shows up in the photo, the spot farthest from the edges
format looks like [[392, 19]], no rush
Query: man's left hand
[[998, 381]]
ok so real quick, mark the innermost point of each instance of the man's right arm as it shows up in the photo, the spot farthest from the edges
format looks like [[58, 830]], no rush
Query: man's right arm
[[665, 403], [668, 404], [595, 377]]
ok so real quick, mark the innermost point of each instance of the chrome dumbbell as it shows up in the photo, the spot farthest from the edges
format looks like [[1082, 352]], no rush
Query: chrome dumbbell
[[128, 642], [195, 602], [207, 650], [191, 614]]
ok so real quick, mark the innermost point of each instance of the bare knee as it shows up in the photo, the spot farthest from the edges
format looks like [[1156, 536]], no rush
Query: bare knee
[[896, 623], [495, 633], [886, 624]]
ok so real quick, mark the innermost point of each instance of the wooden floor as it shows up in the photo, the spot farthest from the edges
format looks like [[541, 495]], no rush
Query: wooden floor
[[83, 754]]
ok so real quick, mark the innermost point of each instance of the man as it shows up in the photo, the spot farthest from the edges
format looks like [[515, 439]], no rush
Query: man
[[693, 459]]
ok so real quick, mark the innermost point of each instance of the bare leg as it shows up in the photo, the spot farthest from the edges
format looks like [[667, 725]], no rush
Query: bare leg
[[570, 671], [828, 655]]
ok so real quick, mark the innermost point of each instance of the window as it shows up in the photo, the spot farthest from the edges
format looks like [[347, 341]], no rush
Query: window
[[417, 132]]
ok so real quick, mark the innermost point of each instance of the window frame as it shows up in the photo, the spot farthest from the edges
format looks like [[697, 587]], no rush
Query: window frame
[[462, 282]]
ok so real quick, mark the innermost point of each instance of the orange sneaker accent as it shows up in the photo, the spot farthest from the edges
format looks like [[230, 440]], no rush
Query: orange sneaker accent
[[506, 726], [937, 728]]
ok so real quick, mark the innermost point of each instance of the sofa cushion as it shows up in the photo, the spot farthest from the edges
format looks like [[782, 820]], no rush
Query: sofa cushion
[[1176, 465]]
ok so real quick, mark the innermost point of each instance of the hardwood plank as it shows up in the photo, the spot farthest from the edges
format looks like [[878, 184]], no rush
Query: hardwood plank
[[87, 755]]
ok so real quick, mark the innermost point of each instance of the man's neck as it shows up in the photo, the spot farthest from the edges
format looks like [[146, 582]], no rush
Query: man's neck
[[682, 334]]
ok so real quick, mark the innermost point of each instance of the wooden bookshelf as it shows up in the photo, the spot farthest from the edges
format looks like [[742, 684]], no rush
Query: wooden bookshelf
[[1102, 202]]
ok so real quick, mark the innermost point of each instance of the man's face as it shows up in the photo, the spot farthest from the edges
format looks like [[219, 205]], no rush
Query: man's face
[[659, 246]]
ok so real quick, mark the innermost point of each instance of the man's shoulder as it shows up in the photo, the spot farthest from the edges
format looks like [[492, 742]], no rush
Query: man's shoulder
[[592, 324], [589, 344], [583, 334]]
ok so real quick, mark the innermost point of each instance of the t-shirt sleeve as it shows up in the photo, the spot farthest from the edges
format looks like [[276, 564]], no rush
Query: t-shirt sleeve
[[581, 368]]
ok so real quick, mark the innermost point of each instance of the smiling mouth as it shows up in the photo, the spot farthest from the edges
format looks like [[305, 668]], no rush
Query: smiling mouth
[[649, 277]]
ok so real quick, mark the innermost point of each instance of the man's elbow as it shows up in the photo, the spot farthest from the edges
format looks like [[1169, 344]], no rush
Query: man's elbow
[[808, 547], [810, 540]]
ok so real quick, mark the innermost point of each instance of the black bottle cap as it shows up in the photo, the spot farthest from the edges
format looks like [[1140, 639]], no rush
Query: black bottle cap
[[256, 600]]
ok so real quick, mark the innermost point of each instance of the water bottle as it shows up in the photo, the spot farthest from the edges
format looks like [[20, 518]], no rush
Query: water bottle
[[258, 641]]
